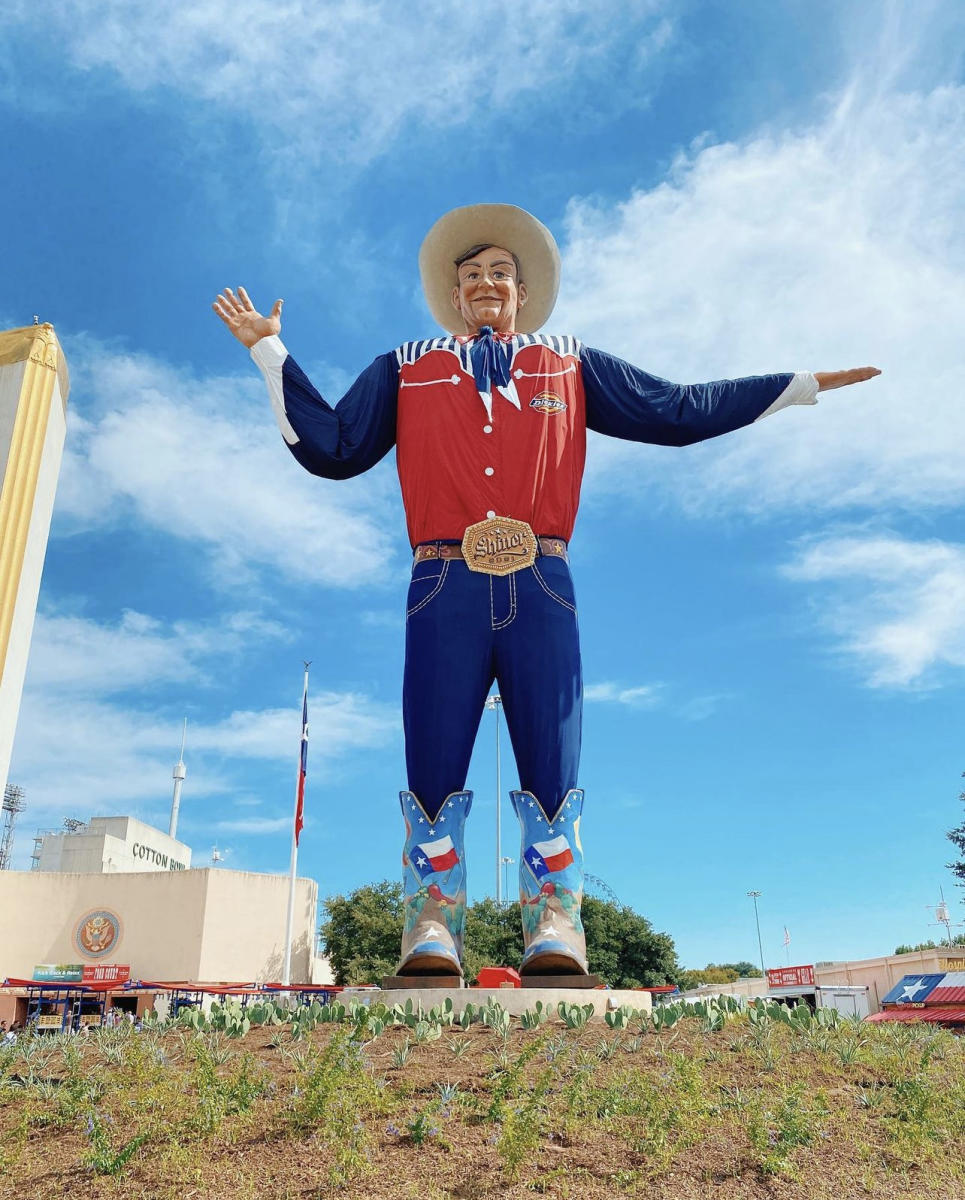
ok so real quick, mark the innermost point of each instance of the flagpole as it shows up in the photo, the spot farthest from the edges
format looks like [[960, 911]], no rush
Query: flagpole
[[299, 785]]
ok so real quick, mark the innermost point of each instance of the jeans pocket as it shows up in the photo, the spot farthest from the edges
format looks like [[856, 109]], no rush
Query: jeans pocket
[[553, 576], [425, 585]]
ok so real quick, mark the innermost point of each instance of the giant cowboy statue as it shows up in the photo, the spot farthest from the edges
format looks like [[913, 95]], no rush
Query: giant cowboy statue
[[490, 425]]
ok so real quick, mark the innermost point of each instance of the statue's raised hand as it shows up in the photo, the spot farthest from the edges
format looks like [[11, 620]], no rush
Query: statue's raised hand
[[243, 319]]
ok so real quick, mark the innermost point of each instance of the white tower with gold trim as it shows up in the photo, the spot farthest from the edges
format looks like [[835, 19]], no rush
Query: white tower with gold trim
[[33, 423]]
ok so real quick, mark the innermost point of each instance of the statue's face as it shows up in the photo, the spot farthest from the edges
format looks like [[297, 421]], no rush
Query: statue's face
[[487, 292]]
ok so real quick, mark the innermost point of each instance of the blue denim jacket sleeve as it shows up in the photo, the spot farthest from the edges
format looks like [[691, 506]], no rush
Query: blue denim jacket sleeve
[[624, 402], [358, 432]]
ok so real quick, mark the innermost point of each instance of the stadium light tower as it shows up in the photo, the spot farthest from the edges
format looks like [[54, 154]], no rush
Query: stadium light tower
[[13, 804]]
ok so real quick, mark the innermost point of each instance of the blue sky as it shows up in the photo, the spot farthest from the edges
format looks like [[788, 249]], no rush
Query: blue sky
[[773, 623]]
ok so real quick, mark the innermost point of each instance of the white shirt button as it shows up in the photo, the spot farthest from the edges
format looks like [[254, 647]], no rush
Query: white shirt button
[[487, 429], [490, 514], [489, 471], [453, 378]]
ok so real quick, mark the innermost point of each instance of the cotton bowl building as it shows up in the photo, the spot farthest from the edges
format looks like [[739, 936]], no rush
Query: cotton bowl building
[[121, 895]]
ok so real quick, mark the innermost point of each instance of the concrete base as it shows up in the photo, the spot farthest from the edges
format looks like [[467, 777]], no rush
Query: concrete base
[[514, 1000], [560, 982], [409, 983]]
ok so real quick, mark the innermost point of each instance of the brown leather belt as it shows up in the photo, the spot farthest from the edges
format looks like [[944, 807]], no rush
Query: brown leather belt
[[547, 545]]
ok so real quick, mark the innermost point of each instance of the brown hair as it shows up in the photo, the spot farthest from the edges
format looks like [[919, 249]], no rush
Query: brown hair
[[479, 248]]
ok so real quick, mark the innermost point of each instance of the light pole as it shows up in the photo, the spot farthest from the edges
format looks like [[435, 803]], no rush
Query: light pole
[[495, 702], [507, 863], [760, 944]]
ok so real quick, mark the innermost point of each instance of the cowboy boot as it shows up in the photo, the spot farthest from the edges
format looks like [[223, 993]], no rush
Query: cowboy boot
[[434, 879], [551, 886]]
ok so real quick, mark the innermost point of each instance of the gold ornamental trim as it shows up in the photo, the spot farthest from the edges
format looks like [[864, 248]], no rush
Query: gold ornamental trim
[[499, 546]]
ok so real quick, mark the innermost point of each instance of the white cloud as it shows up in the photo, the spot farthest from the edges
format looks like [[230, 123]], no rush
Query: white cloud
[[344, 78], [896, 606], [254, 825], [83, 749], [641, 696], [201, 459], [74, 654], [836, 245], [339, 724]]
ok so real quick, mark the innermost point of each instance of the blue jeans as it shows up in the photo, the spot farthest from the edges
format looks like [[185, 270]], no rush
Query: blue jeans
[[465, 630]]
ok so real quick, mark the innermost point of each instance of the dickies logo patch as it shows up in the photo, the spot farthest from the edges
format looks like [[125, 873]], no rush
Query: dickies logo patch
[[548, 402]]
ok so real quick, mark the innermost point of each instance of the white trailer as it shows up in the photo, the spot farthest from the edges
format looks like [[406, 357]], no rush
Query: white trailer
[[849, 1001]]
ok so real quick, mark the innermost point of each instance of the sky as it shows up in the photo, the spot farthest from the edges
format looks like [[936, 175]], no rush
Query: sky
[[773, 622]]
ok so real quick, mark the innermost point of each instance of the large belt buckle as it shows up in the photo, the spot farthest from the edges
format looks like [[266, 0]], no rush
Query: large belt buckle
[[499, 546]]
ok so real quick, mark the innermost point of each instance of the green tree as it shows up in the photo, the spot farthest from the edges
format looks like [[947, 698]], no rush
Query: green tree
[[623, 948], [957, 836], [363, 932], [920, 946], [710, 974], [744, 969], [494, 937]]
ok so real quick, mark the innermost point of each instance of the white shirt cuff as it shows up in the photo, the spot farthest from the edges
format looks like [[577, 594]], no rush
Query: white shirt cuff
[[269, 356], [269, 352], [803, 389]]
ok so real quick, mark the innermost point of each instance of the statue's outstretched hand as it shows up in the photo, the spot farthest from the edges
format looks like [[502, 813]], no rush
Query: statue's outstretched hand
[[835, 379], [243, 319]]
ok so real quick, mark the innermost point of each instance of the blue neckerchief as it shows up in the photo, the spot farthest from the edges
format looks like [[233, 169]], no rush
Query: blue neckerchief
[[491, 358]]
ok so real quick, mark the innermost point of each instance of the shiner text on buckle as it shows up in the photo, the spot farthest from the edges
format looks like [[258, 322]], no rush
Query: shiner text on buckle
[[499, 546]]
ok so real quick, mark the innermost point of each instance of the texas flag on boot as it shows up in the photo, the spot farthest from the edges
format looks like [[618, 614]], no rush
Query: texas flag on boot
[[544, 858], [430, 858]]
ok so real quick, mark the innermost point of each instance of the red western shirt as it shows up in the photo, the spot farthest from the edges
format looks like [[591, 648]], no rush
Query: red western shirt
[[495, 425]]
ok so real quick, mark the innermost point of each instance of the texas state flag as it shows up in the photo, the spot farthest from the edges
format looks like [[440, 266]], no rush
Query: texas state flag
[[544, 858], [430, 858], [913, 989]]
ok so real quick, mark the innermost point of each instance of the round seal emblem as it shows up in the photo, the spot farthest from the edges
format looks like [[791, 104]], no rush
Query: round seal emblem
[[97, 933]]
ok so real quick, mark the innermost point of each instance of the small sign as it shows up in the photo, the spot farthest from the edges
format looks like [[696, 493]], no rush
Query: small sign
[[62, 973], [113, 972], [783, 977]]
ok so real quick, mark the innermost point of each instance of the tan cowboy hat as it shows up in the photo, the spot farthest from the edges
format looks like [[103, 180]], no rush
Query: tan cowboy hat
[[502, 225]]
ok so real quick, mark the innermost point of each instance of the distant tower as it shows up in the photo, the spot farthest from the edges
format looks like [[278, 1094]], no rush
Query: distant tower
[[179, 773], [13, 803], [33, 422]]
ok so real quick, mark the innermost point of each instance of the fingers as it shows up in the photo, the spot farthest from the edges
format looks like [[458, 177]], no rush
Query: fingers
[[232, 301], [246, 303], [276, 309], [836, 379], [222, 312]]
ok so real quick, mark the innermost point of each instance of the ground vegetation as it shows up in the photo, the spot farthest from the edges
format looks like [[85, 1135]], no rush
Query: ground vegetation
[[719, 1100]]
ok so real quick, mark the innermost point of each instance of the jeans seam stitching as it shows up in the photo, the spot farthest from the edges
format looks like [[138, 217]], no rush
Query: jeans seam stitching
[[552, 595], [512, 604], [435, 591]]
